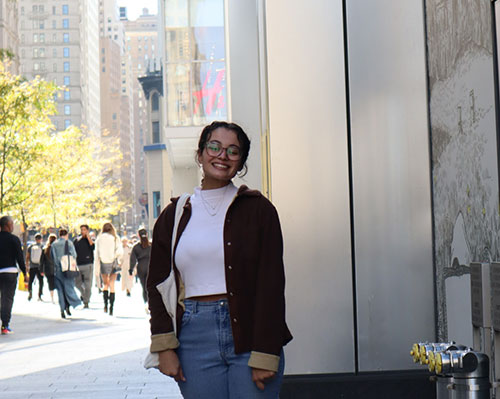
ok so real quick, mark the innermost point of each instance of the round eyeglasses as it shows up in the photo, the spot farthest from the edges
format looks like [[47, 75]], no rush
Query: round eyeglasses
[[214, 149]]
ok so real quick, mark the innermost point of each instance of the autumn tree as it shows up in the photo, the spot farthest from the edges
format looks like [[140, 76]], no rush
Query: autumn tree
[[25, 107], [79, 185], [47, 177]]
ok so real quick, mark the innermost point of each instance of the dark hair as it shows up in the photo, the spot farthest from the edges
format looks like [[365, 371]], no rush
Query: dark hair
[[143, 235], [243, 139], [63, 232], [85, 225], [38, 236], [4, 221], [52, 238]]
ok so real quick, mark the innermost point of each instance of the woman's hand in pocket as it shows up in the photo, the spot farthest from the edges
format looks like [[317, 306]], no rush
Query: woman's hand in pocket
[[260, 377], [170, 365]]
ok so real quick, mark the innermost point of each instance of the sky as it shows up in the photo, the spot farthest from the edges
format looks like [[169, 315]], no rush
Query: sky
[[134, 7]]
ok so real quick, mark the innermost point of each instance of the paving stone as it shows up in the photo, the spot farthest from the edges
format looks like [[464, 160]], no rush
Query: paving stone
[[89, 355]]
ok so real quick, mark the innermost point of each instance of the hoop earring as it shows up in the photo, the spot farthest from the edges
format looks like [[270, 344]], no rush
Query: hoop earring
[[242, 172]]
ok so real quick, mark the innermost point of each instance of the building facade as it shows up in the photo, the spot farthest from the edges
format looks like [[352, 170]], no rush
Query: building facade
[[142, 47], [9, 36], [374, 129], [194, 93], [116, 117], [59, 41], [158, 168]]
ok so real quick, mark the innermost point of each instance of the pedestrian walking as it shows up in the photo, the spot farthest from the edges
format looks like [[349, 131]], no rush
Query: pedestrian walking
[[107, 263], [127, 280], [141, 252], [228, 262], [11, 257], [65, 286], [33, 258], [84, 246], [48, 267]]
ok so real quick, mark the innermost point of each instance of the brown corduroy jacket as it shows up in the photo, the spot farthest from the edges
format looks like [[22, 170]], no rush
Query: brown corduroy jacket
[[255, 278]]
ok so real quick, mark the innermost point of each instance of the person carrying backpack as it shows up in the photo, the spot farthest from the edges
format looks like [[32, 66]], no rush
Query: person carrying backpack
[[33, 258]]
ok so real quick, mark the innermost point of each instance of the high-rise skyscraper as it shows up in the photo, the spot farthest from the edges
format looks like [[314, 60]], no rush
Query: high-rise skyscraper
[[143, 48], [116, 103], [59, 41], [9, 37]]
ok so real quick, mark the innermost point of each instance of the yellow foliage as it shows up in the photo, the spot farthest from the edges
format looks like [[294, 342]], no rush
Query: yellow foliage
[[52, 178]]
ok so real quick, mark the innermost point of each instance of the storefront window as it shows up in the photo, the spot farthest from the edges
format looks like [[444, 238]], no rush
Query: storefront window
[[196, 65], [156, 204], [155, 127]]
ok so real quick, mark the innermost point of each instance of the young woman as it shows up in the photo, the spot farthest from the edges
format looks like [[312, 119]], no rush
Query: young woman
[[47, 265], [139, 256], [65, 286], [107, 262], [228, 261]]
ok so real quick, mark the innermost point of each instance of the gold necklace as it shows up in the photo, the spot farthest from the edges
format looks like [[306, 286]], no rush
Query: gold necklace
[[214, 209]]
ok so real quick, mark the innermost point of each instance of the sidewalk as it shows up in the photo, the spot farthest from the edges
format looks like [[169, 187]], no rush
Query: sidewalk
[[88, 355]]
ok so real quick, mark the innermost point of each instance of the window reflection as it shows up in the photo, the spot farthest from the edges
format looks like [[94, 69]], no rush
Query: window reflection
[[209, 92], [178, 43], [156, 204], [178, 95], [176, 13], [195, 54], [208, 43]]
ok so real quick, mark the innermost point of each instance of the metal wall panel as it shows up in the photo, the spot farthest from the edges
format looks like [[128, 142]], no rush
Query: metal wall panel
[[242, 49], [392, 202], [309, 173]]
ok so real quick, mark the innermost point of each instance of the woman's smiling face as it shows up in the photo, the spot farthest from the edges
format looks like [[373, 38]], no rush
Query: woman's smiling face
[[219, 170]]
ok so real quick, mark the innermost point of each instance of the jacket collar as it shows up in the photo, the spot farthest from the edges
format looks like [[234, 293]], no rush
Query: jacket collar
[[243, 191]]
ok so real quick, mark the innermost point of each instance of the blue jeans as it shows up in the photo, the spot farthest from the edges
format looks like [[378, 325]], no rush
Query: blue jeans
[[66, 290], [207, 357]]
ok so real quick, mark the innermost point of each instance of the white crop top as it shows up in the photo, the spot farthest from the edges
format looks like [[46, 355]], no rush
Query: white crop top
[[199, 256]]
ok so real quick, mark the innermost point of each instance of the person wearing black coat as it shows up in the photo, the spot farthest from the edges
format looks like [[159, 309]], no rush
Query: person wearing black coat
[[140, 254], [11, 260], [47, 265]]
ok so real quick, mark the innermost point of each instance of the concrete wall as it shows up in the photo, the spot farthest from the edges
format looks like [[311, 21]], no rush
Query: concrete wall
[[184, 179], [243, 80]]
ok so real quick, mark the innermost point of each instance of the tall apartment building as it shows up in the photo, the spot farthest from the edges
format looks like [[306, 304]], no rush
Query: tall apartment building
[[89, 39], [116, 104], [9, 37], [143, 49], [59, 41], [128, 104]]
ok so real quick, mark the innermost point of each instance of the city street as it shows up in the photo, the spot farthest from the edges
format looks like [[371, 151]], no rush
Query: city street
[[88, 355]]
